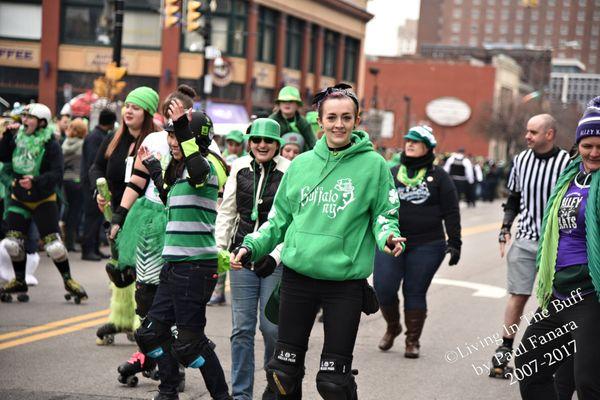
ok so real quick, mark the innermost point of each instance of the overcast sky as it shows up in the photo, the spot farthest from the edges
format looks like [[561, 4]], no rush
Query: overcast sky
[[382, 30]]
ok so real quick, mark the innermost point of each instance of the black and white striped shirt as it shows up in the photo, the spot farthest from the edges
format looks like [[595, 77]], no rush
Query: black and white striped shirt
[[534, 177]]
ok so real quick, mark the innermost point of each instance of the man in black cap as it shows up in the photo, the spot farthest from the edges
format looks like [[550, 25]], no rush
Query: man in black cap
[[90, 246]]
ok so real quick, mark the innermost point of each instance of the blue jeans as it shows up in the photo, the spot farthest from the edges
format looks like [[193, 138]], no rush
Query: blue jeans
[[248, 291], [414, 269]]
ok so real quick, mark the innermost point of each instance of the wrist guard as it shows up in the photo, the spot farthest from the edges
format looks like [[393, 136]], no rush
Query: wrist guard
[[119, 216]]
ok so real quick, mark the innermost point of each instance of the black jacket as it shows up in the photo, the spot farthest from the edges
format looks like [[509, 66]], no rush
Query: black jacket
[[426, 209], [50, 177], [91, 144], [303, 127], [112, 168]]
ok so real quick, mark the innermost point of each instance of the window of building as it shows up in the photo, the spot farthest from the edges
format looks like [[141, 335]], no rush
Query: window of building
[[475, 14], [351, 51], [88, 23], [519, 14], [503, 29], [582, 3], [505, 2], [595, 31], [489, 14], [313, 45], [329, 53], [474, 28], [491, 2], [564, 30], [228, 32], [457, 13], [457, 2], [565, 15], [533, 29], [267, 31], [581, 16], [550, 15], [597, 15], [12, 16], [476, 2], [519, 29], [489, 28], [454, 39], [505, 14], [579, 30], [566, 3], [548, 30], [455, 27], [293, 48], [473, 41], [535, 15]]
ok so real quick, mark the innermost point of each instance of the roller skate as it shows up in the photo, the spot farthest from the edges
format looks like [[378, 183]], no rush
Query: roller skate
[[14, 287], [136, 364], [75, 291], [106, 334], [500, 368]]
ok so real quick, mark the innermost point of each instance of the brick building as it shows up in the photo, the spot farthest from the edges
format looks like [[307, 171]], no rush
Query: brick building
[[424, 80], [570, 27], [50, 47]]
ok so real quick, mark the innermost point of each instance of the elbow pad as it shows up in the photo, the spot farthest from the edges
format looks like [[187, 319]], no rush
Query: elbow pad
[[198, 168]]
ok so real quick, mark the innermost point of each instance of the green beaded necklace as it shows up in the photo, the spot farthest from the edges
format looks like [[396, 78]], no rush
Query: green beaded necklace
[[410, 182]]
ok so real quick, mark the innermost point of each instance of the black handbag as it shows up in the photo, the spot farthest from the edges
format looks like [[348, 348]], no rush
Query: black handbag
[[370, 304]]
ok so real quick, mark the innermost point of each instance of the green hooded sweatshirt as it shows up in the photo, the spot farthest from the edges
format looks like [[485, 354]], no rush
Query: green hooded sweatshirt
[[330, 211]]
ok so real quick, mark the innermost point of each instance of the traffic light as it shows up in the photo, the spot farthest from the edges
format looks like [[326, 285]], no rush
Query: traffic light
[[115, 73], [193, 15], [171, 13], [110, 84]]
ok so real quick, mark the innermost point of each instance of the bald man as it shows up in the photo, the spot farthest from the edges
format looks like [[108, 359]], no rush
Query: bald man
[[533, 175]]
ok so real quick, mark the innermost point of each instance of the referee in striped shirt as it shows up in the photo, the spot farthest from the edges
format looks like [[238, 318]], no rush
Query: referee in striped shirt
[[532, 177]]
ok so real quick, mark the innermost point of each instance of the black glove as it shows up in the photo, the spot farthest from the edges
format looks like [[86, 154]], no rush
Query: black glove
[[246, 258], [505, 230], [265, 266], [119, 216], [152, 164], [454, 255]]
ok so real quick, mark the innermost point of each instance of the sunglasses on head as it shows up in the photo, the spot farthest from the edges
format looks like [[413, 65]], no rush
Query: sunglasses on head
[[258, 139]]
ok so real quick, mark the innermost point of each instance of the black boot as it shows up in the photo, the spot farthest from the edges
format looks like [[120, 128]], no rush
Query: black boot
[[391, 314]]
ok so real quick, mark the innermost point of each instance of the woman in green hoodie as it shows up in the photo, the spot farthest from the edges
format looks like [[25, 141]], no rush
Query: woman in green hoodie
[[334, 205]]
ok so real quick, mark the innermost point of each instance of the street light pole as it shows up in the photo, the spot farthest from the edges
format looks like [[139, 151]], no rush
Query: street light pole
[[407, 100], [206, 80], [118, 32]]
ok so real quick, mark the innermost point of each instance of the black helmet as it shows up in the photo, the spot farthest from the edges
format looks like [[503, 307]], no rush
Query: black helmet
[[202, 128]]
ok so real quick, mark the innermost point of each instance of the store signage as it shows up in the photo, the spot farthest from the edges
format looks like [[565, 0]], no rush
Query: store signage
[[448, 111], [19, 55]]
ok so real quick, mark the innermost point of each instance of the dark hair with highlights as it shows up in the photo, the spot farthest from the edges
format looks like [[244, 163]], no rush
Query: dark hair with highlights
[[339, 91]]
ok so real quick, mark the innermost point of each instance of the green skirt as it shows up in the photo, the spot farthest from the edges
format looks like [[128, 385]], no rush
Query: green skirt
[[146, 220]]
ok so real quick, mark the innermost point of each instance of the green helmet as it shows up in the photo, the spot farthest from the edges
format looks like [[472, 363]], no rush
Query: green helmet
[[266, 128], [289, 93]]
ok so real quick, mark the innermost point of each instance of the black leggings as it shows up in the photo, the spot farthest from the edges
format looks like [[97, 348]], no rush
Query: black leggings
[[546, 346], [44, 215], [300, 299]]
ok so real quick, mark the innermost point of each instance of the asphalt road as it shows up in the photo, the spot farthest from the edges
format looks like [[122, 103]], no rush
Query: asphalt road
[[48, 350]]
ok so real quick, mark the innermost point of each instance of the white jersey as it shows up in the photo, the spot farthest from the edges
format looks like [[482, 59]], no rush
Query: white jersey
[[157, 144]]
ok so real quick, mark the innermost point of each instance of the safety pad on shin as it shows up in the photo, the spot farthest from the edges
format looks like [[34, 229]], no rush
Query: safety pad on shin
[[54, 247], [286, 369], [120, 277], [14, 243], [151, 337], [192, 349], [335, 379]]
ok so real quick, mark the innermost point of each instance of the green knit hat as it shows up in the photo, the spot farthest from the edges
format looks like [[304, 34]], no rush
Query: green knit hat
[[422, 133], [289, 93], [236, 136], [267, 128], [144, 97]]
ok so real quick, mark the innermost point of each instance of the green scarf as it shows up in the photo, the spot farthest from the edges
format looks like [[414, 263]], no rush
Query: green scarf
[[547, 250], [29, 152]]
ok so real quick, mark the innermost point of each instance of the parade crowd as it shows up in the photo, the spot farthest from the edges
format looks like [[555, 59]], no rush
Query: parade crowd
[[295, 212]]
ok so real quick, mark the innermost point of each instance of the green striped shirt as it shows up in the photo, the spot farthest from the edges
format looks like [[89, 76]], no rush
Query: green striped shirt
[[191, 216]]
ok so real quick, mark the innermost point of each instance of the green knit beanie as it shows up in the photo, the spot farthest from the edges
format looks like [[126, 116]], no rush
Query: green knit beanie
[[144, 97]]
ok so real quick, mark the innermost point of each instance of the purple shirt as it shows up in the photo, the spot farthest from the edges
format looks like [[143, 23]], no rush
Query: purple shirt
[[572, 248]]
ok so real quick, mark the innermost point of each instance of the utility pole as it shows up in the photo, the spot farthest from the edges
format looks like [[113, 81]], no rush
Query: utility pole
[[206, 80], [118, 32]]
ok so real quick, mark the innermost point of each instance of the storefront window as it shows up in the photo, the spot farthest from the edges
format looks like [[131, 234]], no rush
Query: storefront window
[[90, 23], [267, 28], [314, 33], [329, 55], [228, 32], [21, 20], [351, 59], [293, 50]]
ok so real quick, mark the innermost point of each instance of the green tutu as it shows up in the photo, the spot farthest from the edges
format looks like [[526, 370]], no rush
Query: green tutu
[[146, 220]]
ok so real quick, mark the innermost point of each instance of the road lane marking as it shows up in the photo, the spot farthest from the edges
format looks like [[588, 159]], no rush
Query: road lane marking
[[473, 230], [53, 325], [57, 332], [480, 289]]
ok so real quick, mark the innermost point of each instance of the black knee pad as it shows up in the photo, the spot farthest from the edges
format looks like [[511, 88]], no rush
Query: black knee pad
[[192, 349], [144, 296], [286, 369], [120, 277], [152, 337], [335, 380]]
